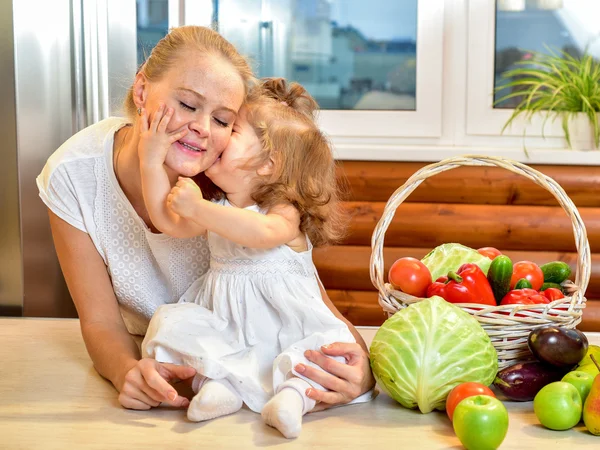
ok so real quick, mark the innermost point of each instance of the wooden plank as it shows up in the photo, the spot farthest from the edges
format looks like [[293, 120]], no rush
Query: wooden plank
[[375, 181], [509, 227], [347, 267], [362, 308], [359, 307]]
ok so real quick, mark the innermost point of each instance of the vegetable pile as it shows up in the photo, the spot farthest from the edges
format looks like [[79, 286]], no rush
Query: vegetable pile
[[485, 276]]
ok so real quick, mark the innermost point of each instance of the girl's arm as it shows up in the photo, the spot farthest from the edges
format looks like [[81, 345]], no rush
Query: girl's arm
[[156, 188], [142, 384], [152, 150], [242, 226]]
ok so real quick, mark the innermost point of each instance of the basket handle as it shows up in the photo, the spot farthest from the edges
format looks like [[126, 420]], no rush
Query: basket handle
[[582, 274]]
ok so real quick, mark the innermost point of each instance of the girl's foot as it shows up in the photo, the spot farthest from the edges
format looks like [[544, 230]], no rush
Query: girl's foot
[[285, 410], [216, 398]]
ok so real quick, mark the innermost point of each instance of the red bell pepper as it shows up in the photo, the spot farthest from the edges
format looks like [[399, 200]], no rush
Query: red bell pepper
[[468, 285], [524, 297], [553, 294]]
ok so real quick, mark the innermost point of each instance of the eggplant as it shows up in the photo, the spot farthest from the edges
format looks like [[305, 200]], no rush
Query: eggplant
[[522, 381], [558, 346]]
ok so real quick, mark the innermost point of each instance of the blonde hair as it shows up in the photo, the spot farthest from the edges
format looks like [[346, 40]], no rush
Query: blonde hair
[[303, 168], [169, 49]]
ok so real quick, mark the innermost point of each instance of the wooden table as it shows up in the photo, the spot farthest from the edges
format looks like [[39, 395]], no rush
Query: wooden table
[[51, 397]]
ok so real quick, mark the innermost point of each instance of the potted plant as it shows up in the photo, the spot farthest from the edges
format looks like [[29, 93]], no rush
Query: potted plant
[[556, 85]]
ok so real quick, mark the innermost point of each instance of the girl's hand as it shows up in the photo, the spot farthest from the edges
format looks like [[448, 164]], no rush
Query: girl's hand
[[146, 385], [344, 381], [184, 197], [155, 141]]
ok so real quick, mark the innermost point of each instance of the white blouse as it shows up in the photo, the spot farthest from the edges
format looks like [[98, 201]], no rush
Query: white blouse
[[79, 185]]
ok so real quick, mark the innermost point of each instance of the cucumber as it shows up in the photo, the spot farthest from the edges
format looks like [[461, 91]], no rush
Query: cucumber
[[499, 275], [552, 285], [523, 283], [555, 272]]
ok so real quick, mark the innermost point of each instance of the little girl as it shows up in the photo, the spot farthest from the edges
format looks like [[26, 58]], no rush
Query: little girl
[[247, 322]]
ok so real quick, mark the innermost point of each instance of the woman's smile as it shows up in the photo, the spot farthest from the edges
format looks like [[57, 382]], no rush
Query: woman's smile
[[189, 147]]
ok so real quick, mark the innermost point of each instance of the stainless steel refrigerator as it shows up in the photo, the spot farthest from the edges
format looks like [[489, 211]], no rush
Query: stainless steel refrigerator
[[64, 64]]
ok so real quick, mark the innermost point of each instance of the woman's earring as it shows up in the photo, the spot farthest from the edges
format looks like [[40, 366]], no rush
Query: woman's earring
[[139, 111]]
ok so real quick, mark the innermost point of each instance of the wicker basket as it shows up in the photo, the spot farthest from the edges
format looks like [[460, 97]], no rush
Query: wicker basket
[[508, 326]]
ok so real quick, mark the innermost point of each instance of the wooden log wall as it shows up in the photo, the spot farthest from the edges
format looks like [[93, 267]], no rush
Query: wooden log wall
[[475, 206]]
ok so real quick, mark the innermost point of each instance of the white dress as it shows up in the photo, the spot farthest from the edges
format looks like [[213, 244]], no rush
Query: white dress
[[249, 319]]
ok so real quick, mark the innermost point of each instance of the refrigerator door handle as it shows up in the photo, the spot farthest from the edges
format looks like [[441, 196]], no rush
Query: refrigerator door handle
[[78, 68], [89, 71]]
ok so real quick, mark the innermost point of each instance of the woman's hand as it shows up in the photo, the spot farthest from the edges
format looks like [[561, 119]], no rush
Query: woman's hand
[[146, 385], [344, 381]]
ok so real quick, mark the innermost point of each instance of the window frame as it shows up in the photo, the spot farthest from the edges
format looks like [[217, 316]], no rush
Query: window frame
[[426, 119]]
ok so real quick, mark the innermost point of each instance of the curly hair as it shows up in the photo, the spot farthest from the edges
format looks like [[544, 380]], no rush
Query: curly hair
[[303, 168]]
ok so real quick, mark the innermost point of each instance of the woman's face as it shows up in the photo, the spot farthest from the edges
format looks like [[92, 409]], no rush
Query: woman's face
[[205, 93]]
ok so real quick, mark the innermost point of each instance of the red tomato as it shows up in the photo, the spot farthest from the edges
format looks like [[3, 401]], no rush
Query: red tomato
[[462, 391], [530, 271], [553, 294], [490, 252], [411, 276]]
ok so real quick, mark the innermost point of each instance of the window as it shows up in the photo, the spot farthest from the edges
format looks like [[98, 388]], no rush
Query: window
[[347, 53], [152, 25], [541, 26], [521, 27], [373, 67]]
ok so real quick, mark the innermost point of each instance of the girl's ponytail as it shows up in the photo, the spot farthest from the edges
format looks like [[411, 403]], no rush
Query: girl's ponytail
[[291, 94]]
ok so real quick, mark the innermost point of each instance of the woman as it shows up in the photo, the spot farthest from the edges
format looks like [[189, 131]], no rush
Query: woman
[[117, 267]]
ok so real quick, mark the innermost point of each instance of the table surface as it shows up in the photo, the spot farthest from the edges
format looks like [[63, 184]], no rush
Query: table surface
[[51, 397]]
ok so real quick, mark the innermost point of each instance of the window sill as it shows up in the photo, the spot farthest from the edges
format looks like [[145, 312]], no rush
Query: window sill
[[431, 153]]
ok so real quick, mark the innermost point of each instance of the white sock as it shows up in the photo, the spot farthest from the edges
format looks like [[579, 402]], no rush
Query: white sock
[[216, 398], [285, 410]]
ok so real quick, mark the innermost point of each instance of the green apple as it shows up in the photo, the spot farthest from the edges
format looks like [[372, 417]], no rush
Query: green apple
[[589, 368], [586, 364], [558, 406], [480, 422], [582, 381]]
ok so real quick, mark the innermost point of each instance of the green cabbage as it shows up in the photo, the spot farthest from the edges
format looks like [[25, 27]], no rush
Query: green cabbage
[[447, 257], [423, 351]]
